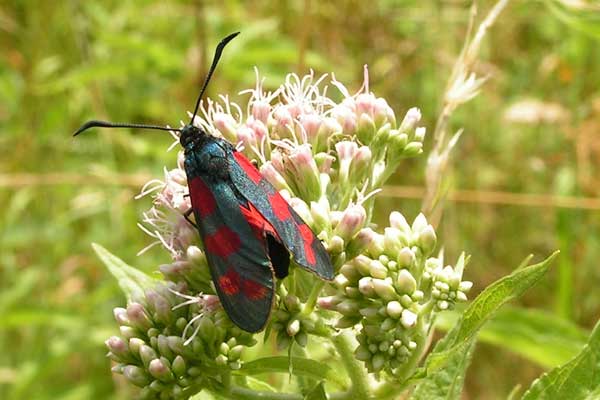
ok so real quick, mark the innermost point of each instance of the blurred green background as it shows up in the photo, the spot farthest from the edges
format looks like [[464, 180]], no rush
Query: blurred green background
[[527, 172]]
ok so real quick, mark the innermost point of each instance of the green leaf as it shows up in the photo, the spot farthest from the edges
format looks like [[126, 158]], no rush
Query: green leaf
[[577, 379], [257, 384], [447, 382], [443, 374], [582, 19], [302, 367], [481, 310], [132, 281], [317, 393], [529, 333]]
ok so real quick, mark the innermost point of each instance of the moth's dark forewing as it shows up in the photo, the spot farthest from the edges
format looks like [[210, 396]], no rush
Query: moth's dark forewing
[[306, 249], [238, 260]]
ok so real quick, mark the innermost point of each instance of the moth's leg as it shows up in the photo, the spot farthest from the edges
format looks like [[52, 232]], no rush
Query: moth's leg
[[186, 215]]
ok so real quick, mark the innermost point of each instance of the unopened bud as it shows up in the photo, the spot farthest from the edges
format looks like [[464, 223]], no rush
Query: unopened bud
[[366, 129], [136, 375], [147, 354], [196, 256], [293, 327], [406, 283], [427, 239], [465, 286], [118, 347], [159, 369], [377, 270], [138, 317], [362, 239], [408, 319], [406, 258], [394, 309], [412, 117], [365, 286], [413, 149], [384, 289], [178, 366], [362, 353], [120, 315]]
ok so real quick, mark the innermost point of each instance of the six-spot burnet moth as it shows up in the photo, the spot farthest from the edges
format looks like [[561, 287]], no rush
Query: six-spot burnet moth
[[248, 229]]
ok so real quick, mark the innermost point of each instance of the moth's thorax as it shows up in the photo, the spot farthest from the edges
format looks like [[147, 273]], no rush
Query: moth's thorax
[[205, 156]]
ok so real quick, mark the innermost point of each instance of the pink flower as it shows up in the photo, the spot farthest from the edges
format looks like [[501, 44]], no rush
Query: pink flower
[[261, 110]]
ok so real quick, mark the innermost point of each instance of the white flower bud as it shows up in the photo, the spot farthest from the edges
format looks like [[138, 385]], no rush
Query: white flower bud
[[408, 319], [365, 285], [362, 264], [420, 134], [341, 281], [376, 247], [120, 315], [406, 283], [377, 270], [196, 256], [394, 309], [366, 128], [406, 258], [293, 327], [419, 223], [427, 239], [350, 272], [465, 286], [412, 117], [320, 214], [384, 289], [335, 245], [368, 312], [398, 221]]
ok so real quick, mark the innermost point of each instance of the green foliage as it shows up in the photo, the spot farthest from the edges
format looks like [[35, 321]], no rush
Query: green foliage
[[300, 366], [529, 333], [445, 367], [577, 379]]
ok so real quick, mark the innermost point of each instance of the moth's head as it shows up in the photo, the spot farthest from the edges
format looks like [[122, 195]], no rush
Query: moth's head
[[190, 135]]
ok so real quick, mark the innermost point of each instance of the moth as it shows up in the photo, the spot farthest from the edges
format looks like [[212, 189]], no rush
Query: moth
[[248, 230]]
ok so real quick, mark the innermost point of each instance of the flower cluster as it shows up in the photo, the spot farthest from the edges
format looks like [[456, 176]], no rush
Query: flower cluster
[[329, 160], [392, 290], [169, 345]]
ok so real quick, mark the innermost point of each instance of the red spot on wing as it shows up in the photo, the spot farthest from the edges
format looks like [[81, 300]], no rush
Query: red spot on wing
[[203, 201], [230, 282], [257, 222], [280, 207], [248, 168], [223, 242], [254, 290], [308, 237]]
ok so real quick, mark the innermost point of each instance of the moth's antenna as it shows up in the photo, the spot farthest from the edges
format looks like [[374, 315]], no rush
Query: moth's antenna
[[105, 124], [218, 52]]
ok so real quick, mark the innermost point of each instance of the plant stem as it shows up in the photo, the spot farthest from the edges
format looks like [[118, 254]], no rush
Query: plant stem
[[309, 306], [356, 372], [249, 394]]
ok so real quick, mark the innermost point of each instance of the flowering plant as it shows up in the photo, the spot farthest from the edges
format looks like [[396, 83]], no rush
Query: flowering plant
[[330, 159]]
